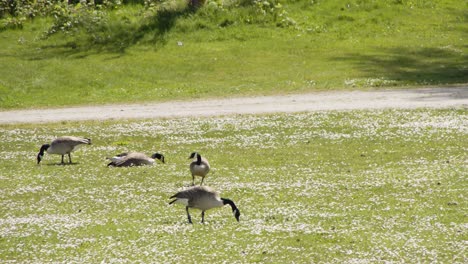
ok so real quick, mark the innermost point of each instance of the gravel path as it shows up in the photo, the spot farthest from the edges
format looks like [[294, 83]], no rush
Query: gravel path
[[448, 97]]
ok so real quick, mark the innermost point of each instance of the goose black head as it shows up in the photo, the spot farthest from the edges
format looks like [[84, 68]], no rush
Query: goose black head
[[235, 210], [41, 152], [158, 156], [39, 158], [193, 155], [236, 214]]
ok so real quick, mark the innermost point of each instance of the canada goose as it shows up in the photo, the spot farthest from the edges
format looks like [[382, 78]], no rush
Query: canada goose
[[61, 146], [199, 167], [134, 159], [203, 198]]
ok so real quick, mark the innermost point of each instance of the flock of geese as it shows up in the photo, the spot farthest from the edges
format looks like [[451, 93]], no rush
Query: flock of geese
[[199, 197]]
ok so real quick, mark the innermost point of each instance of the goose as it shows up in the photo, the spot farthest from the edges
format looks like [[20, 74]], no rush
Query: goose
[[202, 198], [61, 146], [199, 167], [134, 159]]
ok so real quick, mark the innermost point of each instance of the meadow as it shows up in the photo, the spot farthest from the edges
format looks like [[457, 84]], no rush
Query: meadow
[[323, 187], [133, 54]]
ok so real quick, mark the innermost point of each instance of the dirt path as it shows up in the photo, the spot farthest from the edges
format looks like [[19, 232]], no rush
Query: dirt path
[[399, 99]]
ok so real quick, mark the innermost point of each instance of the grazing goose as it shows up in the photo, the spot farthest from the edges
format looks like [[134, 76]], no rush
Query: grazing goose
[[61, 146], [134, 159], [203, 198], [199, 167]]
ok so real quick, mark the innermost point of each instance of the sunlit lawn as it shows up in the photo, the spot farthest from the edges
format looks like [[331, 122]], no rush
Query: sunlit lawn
[[340, 187], [334, 45]]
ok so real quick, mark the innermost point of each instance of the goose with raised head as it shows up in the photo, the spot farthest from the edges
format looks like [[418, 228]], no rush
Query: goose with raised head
[[134, 159], [62, 146], [202, 198], [198, 167]]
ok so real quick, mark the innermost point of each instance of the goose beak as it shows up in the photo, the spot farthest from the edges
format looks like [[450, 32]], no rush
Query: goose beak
[[237, 215], [39, 158]]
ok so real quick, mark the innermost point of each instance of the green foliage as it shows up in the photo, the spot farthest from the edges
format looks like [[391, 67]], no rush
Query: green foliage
[[274, 10], [14, 13], [25, 8], [69, 18], [167, 50], [89, 16], [68, 14], [13, 23]]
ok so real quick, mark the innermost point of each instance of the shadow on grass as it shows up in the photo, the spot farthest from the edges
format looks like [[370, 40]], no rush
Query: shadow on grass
[[62, 164], [115, 38], [421, 66], [153, 31]]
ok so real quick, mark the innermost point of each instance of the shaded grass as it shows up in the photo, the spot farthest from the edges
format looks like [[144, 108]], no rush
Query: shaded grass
[[414, 66], [360, 186], [182, 54]]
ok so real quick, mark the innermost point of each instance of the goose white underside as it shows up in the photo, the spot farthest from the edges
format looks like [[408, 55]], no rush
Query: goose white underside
[[115, 159], [183, 201], [200, 170]]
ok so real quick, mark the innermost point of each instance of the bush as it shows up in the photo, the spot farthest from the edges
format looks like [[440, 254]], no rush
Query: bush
[[96, 21], [16, 12], [69, 18]]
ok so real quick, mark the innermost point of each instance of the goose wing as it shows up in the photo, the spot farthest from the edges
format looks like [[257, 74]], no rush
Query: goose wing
[[72, 141], [134, 159], [66, 144], [195, 193], [117, 157], [205, 161]]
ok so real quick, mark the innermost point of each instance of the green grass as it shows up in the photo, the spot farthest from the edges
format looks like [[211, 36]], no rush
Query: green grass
[[235, 51], [329, 187]]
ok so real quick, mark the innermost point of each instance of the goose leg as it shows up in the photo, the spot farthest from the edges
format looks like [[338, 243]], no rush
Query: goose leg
[[188, 215], [201, 183], [62, 160], [193, 180], [203, 217], [69, 158]]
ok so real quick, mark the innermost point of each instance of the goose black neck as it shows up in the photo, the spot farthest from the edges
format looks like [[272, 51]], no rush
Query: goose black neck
[[230, 202], [41, 152], [44, 148], [198, 159], [233, 206]]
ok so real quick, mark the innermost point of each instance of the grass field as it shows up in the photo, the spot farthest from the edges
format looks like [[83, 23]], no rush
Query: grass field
[[325, 187], [223, 51]]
